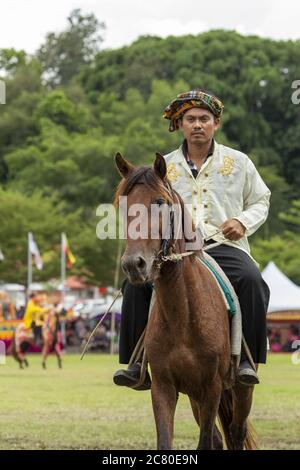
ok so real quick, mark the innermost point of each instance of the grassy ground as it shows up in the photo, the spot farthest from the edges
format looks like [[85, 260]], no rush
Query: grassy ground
[[78, 407]]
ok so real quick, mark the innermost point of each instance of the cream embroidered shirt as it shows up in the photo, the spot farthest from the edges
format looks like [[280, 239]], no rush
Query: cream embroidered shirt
[[227, 186]]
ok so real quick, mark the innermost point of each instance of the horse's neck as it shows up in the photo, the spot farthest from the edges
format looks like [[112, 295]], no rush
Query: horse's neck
[[172, 291]]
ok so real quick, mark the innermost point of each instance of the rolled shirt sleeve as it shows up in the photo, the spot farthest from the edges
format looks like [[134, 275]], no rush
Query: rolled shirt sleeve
[[256, 197]]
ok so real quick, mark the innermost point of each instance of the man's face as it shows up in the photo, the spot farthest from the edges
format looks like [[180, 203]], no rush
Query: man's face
[[198, 125]]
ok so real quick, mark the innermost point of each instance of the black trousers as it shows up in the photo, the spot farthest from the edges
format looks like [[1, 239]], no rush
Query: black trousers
[[252, 291], [37, 333]]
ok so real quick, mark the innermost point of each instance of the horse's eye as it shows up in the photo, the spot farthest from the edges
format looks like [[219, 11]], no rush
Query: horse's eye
[[159, 202]]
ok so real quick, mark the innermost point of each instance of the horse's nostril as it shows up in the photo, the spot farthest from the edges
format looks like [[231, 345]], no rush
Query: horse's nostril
[[133, 265], [141, 263]]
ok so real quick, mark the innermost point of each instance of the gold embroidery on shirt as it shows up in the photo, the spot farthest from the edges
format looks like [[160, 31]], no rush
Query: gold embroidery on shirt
[[228, 165], [172, 173]]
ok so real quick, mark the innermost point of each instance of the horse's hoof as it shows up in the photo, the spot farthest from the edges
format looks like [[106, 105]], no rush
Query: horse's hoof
[[44, 365], [26, 363], [59, 363]]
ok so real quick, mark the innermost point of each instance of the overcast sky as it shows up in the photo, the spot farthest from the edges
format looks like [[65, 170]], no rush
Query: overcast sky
[[24, 23]]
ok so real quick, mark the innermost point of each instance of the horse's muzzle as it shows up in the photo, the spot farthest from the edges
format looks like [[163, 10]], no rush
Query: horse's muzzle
[[135, 268]]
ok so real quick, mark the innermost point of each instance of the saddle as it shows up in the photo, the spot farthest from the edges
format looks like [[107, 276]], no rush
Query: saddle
[[231, 301]]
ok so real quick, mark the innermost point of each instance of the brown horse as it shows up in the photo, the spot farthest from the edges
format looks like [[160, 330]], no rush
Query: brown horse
[[23, 339], [187, 339], [51, 338]]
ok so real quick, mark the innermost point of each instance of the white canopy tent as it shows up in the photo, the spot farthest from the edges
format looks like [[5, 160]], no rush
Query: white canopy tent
[[13, 287], [285, 295]]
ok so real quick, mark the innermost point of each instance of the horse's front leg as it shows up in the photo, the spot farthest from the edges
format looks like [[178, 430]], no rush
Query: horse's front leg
[[164, 399], [58, 354], [45, 351]]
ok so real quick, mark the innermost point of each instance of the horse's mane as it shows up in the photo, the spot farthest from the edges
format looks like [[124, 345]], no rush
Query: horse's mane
[[143, 175]]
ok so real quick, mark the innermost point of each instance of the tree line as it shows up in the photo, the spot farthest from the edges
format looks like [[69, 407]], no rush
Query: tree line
[[71, 106]]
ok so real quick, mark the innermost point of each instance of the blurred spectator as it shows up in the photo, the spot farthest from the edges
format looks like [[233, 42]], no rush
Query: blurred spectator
[[20, 312], [81, 330], [100, 339], [293, 336], [274, 340]]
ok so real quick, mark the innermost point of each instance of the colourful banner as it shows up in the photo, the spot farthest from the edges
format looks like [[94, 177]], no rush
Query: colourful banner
[[7, 328]]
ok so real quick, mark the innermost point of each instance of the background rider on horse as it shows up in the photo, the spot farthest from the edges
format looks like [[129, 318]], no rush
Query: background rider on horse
[[34, 316]]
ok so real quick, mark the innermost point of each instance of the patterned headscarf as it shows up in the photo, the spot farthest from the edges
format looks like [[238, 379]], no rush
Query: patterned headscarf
[[192, 99]]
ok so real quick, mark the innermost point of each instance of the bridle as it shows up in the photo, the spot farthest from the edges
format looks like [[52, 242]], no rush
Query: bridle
[[168, 244], [167, 251]]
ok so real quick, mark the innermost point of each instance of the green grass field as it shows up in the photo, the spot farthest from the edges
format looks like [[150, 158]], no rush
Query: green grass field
[[78, 407]]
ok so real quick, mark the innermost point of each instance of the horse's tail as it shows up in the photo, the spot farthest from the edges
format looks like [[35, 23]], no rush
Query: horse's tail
[[225, 417], [251, 437]]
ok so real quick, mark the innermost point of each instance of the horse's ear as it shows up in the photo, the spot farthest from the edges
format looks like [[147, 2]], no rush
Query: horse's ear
[[160, 166], [124, 167]]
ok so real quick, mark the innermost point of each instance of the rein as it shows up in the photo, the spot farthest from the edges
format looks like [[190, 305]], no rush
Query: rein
[[179, 256]]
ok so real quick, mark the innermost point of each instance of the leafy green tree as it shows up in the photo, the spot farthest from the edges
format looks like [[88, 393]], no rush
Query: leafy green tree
[[100, 256], [19, 215], [292, 216], [281, 250], [10, 60], [75, 168], [64, 54], [62, 111], [62, 143], [280, 196], [22, 76]]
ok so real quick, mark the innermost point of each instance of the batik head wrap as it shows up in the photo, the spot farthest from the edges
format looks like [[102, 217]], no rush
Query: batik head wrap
[[191, 99]]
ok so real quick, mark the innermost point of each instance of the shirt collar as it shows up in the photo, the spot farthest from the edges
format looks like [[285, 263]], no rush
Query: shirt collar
[[193, 168], [185, 151]]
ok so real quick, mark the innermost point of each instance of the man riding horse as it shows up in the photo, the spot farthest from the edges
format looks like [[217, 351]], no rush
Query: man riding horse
[[40, 327], [229, 202], [34, 316]]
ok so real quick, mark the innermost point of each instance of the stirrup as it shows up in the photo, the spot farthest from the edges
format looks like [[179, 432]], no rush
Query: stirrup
[[246, 375], [132, 378]]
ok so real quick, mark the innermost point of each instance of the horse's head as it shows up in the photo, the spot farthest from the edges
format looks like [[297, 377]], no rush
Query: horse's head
[[157, 231]]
